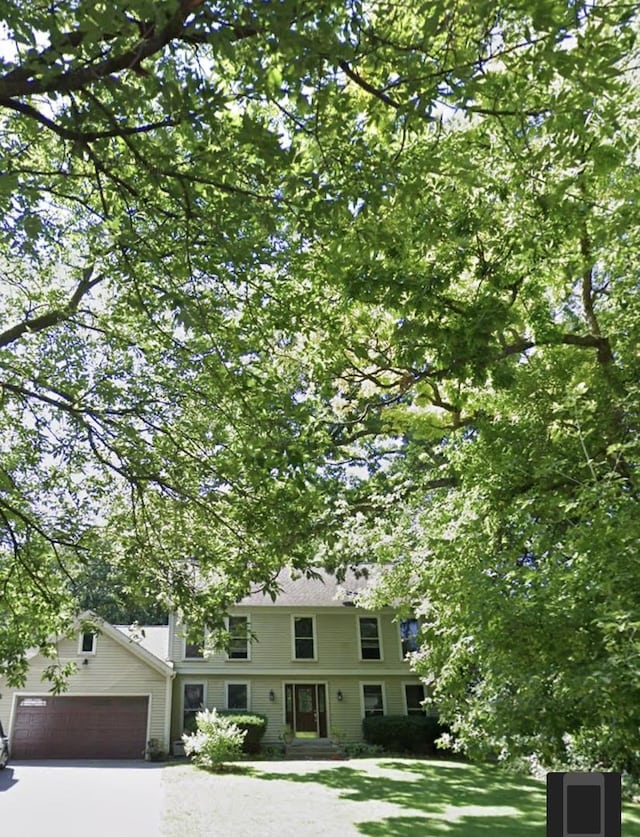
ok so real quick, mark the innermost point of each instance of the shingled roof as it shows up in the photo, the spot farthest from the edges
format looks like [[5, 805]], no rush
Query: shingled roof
[[299, 591], [155, 638]]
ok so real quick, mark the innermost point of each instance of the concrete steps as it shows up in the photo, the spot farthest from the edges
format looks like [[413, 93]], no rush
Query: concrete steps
[[304, 749]]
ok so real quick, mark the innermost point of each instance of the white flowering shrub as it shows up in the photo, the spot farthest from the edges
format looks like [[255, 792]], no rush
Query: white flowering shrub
[[216, 740]]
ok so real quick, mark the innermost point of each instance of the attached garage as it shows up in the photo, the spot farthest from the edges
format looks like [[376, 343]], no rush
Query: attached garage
[[117, 700], [80, 727]]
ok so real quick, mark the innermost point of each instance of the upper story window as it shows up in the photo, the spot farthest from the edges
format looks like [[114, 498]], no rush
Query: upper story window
[[303, 638], [87, 642], [370, 648], [409, 636], [194, 648], [239, 638]]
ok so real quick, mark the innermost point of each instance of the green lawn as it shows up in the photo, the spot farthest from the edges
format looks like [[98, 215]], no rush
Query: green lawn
[[380, 797]]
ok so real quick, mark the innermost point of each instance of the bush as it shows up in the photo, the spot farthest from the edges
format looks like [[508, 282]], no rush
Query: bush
[[217, 740], [410, 733], [254, 726], [154, 751], [358, 749]]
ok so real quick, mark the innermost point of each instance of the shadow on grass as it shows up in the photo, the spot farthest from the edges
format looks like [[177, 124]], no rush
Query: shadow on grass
[[453, 798], [444, 798]]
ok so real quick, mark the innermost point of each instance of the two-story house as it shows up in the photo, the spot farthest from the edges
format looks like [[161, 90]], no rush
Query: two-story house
[[312, 661]]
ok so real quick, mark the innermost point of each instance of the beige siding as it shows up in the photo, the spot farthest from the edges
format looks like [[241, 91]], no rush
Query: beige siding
[[344, 717], [176, 641], [113, 670], [337, 665], [336, 645]]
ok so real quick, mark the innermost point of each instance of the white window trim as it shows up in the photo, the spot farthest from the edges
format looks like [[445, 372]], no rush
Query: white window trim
[[368, 659], [406, 683], [248, 657], [202, 683], [295, 659], [403, 656], [94, 645], [364, 683], [228, 683]]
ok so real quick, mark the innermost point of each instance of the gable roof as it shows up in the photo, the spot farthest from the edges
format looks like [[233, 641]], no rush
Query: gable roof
[[139, 650], [296, 590], [127, 642]]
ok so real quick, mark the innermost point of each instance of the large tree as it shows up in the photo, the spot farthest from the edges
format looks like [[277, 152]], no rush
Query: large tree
[[493, 393], [337, 280], [146, 402]]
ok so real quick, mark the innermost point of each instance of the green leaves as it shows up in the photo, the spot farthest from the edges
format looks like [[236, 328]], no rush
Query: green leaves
[[368, 288]]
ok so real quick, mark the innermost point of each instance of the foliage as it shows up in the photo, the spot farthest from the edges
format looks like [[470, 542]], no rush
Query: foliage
[[102, 589], [286, 734], [286, 284], [403, 733], [358, 749], [253, 725], [154, 751], [216, 741]]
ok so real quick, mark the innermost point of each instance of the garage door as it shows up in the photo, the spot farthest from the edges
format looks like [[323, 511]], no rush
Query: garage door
[[79, 727]]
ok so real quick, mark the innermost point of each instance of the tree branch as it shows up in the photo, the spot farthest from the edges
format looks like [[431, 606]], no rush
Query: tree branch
[[76, 79], [605, 355], [365, 85], [82, 136], [55, 316]]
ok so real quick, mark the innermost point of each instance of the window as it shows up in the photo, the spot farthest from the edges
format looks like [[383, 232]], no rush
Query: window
[[414, 695], [369, 638], [237, 695], [409, 636], [87, 643], [193, 702], [372, 699], [239, 641], [304, 648], [194, 650]]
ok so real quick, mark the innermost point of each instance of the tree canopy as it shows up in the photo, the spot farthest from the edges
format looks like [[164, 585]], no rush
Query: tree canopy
[[289, 282]]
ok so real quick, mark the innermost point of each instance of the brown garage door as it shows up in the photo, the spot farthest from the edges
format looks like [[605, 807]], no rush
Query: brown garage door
[[79, 728]]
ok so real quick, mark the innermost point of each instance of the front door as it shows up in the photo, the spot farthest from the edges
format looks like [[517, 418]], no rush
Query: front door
[[306, 712]]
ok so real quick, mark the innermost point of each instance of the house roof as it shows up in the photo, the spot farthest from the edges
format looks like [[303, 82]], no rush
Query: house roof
[[153, 638], [296, 590], [136, 647], [132, 644]]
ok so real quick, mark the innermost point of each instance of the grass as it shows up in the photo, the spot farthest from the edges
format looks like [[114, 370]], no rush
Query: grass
[[439, 797], [378, 797]]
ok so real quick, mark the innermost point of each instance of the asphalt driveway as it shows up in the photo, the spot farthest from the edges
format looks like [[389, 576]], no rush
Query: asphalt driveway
[[81, 799]]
